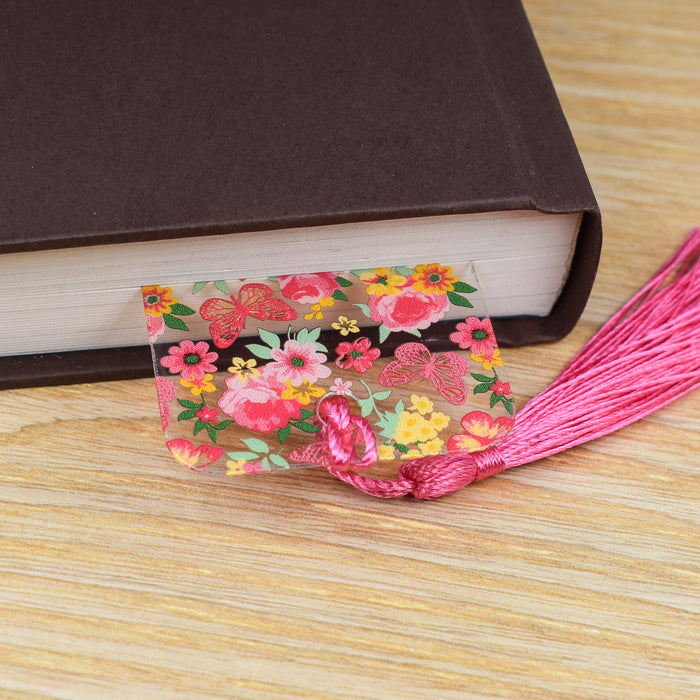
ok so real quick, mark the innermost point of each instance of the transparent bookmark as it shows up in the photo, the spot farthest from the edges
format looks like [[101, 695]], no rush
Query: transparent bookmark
[[242, 366]]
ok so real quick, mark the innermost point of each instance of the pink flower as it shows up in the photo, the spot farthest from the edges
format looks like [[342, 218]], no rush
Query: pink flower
[[296, 362], [257, 403], [341, 388], [480, 431], [155, 325], [166, 393], [308, 289], [189, 360], [357, 355], [476, 335], [207, 415], [409, 310], [500, 388]]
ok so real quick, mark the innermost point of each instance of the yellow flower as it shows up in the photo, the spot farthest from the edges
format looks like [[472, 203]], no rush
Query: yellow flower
[[413, 428], [489, 360], [411, 454], [422, 404], [157, 300], [434, 279], [242, 369], [316, 312], [345, 325], [303, 393], [235, 467], [197, 385], [385, 452], [383, 281], [439, 420], [431, 447]]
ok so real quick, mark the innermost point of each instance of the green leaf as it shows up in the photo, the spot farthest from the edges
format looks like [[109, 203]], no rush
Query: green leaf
[[403, 270], [400, 407], [175, 323], [283, 433], [357, 273], [509, 406], [495, 398], [382, 395], [222, 286], [343, 282], [222, 425], [186, 403], [364, 308], [307, 427], [265, 464], [279, 461], [482, 388], [340, 296], [199, 425], [188, 415], [458, 300], [198, 287], [212, 432], [256, 445], [305, 413], [366, 406], [261, 351], [181, 310], [247, 456], [384, 333], [401, 448], [483, 378], [313, 334], [463, 287], [269, 338]]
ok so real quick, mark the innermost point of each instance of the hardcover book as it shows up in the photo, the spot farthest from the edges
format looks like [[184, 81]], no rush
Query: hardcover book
[[160, 143]]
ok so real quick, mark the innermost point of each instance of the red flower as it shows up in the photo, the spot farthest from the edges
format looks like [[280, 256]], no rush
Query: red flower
[[308, 289], [257, 403], [480, 431], [357, 355], [409, 310], [475, 334], [500, 388], [189, 360], [189, 455], [206, 414]]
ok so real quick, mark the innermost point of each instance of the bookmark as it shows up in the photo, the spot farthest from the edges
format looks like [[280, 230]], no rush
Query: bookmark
[[339, 369], [646, 356]]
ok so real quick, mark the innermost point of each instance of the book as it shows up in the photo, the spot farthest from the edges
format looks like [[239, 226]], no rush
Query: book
[[144, 143]]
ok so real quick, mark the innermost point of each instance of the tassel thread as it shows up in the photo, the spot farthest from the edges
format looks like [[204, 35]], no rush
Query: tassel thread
[[655, 337]]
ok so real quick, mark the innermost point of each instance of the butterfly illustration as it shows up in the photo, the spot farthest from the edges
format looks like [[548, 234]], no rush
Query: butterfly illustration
[[414, 362], [229, 317]]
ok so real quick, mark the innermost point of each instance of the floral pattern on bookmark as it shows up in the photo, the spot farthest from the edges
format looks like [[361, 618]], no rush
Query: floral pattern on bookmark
[[241, 366]]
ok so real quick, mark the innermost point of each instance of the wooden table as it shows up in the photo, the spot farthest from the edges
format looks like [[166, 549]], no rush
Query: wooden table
[[123, 575]]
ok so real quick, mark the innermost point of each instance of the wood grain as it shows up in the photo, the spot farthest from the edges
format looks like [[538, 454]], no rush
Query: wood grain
[[123, 575]]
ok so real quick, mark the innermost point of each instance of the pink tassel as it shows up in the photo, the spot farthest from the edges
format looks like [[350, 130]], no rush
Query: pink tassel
[[646, 356]]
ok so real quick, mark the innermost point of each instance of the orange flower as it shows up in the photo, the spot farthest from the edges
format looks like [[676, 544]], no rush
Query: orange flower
[[157, 300], [434, 279]]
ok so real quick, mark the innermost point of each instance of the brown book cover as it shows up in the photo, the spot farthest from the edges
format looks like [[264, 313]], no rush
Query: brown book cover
[[147, 120]]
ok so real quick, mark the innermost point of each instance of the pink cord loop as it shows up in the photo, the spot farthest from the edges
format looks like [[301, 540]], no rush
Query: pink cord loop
[[342, 433]]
